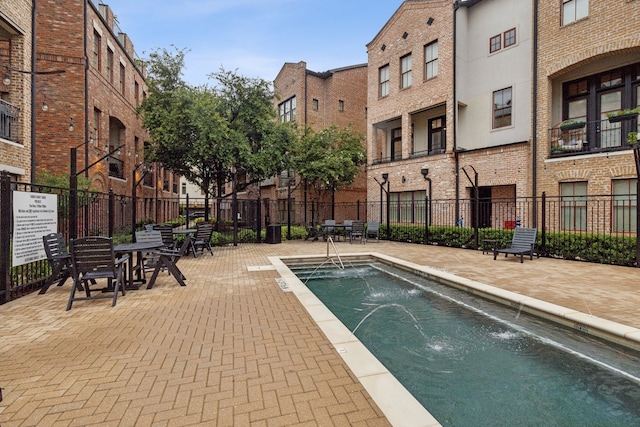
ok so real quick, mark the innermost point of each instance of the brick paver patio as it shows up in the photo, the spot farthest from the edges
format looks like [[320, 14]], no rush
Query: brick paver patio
[[231, 348]]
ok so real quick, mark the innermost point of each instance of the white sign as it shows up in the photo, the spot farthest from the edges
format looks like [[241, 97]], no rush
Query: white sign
[[34, 215]]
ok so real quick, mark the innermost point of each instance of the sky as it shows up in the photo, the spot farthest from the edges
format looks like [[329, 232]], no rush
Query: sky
[[255, 38]]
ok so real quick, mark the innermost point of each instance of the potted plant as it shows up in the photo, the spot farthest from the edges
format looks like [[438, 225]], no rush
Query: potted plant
[[632, 138], [571, 124], [618, 116], [557, 149]]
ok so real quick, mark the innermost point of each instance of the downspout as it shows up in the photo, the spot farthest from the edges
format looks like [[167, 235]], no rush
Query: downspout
[[454, 126], [534, 117], [33, 90], [86, 93]]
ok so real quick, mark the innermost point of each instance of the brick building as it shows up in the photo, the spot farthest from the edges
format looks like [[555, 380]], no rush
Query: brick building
[[588, 66], [92, 105], [15, 88], [450, 108], [319, 100]]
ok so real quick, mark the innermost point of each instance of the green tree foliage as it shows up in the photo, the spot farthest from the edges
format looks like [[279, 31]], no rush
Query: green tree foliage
[[205, 134], [330, 159]]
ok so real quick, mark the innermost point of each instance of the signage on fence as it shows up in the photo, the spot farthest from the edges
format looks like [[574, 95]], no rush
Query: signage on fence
[[34, 215]]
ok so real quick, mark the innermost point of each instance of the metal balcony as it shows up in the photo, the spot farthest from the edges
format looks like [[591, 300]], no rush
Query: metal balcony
[[591, 137], [9, 126]]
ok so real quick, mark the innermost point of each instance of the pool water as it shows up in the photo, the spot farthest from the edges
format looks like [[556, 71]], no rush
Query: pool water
[[472, 362]]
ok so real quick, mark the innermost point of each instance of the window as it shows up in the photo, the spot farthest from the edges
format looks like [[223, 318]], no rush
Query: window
[[122, 78], [624, 205], [510, 37], [502, 108], [407, 207], [431, 60], [573, 206], [405, 71], [384, 81], [396, 144], [495, 43], [287, 110], [315, 104], [97, 44], [96, 127], [437, 135], [340, 105], [136, 92], [110, 65], [572, 10], [184, 188]]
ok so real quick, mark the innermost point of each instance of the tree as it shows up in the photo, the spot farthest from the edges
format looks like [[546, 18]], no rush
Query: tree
[[208, 134], [330, 159]]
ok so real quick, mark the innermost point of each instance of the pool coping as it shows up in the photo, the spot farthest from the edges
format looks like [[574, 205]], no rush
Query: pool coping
[[398, 405]]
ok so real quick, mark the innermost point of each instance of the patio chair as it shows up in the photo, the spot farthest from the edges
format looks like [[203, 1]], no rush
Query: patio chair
[[59, 260], [149, 259], [373, 229], [328, 228], [167, 259], [93, 258], [523, 242], [357, 232], [202, 239], [167, 235], [347, 223]]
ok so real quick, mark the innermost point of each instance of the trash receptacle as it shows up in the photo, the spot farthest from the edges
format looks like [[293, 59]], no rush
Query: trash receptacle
[[274, 233]]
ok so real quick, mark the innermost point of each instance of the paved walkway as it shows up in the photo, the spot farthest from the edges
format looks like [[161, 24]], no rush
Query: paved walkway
[[232, 349]]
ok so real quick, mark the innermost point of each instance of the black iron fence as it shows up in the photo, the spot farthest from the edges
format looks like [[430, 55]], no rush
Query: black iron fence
[[595, 228]]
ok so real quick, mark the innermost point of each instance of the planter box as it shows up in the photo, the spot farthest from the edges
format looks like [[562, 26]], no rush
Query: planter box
[[572, 126], [622, 117]]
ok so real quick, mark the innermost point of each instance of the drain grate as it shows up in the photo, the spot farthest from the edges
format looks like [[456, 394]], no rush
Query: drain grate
[[283, 285]]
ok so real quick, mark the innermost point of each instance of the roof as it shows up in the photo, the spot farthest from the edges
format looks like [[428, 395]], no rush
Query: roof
[[329, 73]]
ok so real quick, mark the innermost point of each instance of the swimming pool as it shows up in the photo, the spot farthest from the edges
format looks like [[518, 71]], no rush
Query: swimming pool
[[479, 365]]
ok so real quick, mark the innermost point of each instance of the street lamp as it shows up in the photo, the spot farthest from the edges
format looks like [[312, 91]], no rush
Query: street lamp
[[425, 172], [476, 201], [385, 180], [73, 186], [134, 201]]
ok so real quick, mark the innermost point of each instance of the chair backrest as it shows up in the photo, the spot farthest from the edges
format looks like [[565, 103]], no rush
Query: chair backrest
[[373, 226], [357, 227], [329, 222], [149, 236], [204, 230], [347, 224], [523, 238], [92, 255], [54, 245], [167, 233]]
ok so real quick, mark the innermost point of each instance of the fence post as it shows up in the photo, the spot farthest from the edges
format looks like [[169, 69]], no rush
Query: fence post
[[112, 210], [259, 219], [5, 237], [543, 226], [426, 220]]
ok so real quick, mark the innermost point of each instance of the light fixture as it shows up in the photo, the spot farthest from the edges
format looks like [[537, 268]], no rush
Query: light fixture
[[430, 21], [385, 177], [405, 35], [70, 124], [383, 47], [404, 179], [7, 78], [45, 107], [424, 172]]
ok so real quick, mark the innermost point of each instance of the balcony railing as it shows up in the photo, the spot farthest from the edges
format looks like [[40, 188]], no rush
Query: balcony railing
[[590, 137], [9, 116]]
